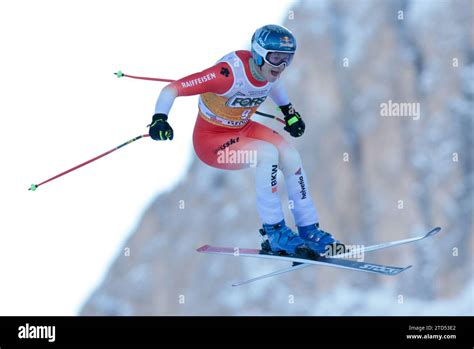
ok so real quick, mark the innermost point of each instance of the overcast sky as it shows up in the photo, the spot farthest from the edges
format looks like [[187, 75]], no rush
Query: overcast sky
[[61, 105]]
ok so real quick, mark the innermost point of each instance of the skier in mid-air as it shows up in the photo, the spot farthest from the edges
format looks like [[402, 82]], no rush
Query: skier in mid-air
[[230, 92]]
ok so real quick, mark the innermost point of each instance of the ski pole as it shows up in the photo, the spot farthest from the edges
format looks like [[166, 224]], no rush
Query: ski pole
[[271, 117], [119, 74], [33, 187]]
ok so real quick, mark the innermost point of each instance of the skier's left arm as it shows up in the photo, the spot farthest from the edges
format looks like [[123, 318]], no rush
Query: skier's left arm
[[294, 123]]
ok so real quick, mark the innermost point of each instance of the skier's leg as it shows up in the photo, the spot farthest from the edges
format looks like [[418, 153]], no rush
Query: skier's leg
[[304, 211], [280, 237], [232, 150], [290, 164], [226, 150]]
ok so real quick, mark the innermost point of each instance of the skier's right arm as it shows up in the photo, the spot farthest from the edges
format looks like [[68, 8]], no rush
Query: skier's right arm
[[216, 79]]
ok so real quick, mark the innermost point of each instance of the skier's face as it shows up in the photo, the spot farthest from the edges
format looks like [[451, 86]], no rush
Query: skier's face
[[271, 73]]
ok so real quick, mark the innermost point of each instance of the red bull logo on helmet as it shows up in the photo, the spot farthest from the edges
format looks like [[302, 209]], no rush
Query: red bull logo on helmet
[[285, 41]]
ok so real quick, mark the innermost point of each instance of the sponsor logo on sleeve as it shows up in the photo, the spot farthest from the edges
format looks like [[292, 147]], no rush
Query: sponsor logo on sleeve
[[224, 71], [198, 81]]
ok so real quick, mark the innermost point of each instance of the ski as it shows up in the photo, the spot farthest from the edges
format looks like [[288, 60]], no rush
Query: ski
[[294, 267], [324, 261], [376, 247], [387, 244], [299, 263]]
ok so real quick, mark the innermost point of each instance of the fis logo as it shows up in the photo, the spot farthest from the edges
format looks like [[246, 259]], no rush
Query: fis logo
[[274, 178]]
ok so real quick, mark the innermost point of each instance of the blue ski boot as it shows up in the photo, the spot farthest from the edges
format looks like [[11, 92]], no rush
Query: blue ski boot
[[280, 238], [319, 241]]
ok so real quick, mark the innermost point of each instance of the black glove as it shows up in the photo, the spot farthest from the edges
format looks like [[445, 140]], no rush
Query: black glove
[[160, 130], [294, 124]]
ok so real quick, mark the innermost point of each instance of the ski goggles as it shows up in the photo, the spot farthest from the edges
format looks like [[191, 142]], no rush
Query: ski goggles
[[277, 59]]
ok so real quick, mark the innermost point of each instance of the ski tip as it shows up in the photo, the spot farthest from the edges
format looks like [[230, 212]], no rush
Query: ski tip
[[203, 248], [400, 270], [242, 283], [433, 231]]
